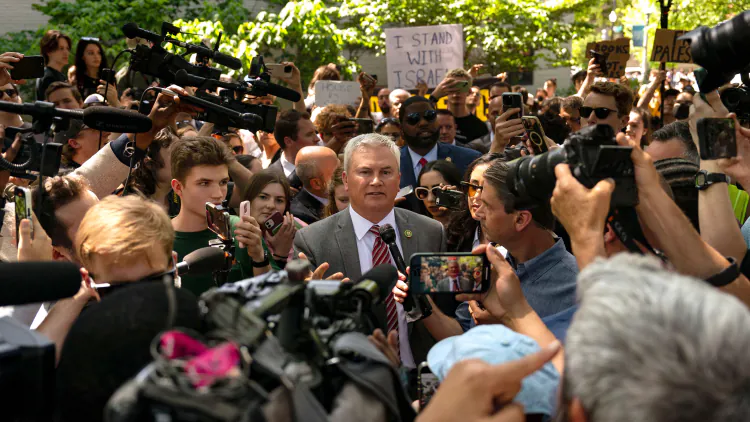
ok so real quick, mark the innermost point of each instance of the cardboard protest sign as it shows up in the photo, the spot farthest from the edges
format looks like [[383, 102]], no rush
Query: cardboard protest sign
[[422, 53], [668, 49], [617, 53], [337, 92]]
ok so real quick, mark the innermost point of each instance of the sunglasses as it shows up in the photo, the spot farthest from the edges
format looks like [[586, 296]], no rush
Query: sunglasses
[[416, 117], [10, 92], [90, 39], [423, 192], [238, 149], [601, 112], [471, 189]]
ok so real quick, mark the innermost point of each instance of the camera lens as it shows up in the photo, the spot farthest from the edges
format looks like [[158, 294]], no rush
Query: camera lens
[[532, 179]]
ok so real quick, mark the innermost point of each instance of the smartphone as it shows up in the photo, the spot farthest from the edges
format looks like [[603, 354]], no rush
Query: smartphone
[[244, 210], [716, 138], [29, 67], [109, 76], [22, 197], [450, 199], [363, 126], [217, 218], [463, 86], [601, 60], [513, 100], [700, 75], [406, 190], [449, 273], [427, 384], [273, 223], [535, 133], [279, 71]]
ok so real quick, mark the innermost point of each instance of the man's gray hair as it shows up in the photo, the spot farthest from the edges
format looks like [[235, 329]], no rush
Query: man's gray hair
[[651, 345], [369, 140]]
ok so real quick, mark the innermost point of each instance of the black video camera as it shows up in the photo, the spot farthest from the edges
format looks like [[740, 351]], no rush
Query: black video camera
[[592, 154], [737, 100], [266, 114], [29, 157]]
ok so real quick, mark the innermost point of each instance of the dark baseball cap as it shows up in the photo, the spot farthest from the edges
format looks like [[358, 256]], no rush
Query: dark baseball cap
[[74, 128]]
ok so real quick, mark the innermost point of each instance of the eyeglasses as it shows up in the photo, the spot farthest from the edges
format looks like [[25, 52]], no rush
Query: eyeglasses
[[238, 149], [471, 189], [414, 118], [10, 92], [601, 112], [423, 192]]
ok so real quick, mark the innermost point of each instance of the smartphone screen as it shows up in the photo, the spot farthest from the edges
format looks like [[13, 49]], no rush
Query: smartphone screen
[[449, 273], [717, 138], [218, 220], [29, 67], [22, 198], [427, 384]]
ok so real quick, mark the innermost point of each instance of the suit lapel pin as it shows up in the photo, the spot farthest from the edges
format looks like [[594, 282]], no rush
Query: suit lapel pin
[[408, 234], [448, 159]]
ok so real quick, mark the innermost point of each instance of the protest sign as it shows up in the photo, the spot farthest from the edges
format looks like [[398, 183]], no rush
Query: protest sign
[[337, 92], [422, 53], [617, 53], [668, 49]]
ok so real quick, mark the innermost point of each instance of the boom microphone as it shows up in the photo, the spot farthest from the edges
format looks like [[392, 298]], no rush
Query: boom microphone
[[34, 282], [132, 30], [40, 109], [202, 261], [110, 119]]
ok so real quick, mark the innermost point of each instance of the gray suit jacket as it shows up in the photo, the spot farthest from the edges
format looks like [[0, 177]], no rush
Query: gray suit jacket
[[464, 283], [332, 240]]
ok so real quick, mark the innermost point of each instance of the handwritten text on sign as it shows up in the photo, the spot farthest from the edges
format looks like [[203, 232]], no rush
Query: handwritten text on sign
[[337, 92], [422, 53], [617, 53], [668, 49]]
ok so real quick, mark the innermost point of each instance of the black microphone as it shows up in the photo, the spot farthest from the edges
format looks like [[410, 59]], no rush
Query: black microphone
[[388, 234], [40, 109], [249, 118], [273, 89], [202, 261], [110, 119], [385, 276], [34, 282], [183, 78], [220, 58], [132, 30]]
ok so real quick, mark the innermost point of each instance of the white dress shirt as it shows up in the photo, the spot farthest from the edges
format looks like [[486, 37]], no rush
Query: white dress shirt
[[430, 157], [286, 165], [365, 243]]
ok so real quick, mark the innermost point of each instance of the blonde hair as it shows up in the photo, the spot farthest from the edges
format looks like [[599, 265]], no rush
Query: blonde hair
[[460, 73], [124, 229]]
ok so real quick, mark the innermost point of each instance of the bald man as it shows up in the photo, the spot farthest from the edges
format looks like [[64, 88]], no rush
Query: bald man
[[315, 166], [397, 97]]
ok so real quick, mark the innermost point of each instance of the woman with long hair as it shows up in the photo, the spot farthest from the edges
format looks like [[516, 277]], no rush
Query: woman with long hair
[[638, 129], [89, 62], [434, 176], [338, 197]]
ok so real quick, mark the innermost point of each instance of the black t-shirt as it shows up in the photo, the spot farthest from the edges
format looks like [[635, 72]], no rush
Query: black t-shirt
[[50, 75], [471, 127]]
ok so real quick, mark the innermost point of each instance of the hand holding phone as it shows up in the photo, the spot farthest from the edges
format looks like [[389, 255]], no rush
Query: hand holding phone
[[22, 197], [279, 71], [450, 199], [427, 384], [716, 138], [29, 67], [444, 273], [599, 60], [244, 211]]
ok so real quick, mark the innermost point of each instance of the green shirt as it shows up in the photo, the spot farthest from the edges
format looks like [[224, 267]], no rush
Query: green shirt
[[187, 242]]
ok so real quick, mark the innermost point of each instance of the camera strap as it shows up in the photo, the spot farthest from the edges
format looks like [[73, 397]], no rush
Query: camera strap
[[624, 222]]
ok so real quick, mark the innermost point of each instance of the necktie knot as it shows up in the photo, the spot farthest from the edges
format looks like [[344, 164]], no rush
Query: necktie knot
[[375, 229], [422, 161]]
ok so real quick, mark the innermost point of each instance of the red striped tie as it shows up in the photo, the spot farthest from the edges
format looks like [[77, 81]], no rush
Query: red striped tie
[[380, 255]]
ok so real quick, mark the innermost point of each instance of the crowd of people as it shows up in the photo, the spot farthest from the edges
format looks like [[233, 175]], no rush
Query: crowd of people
[[573, 326]]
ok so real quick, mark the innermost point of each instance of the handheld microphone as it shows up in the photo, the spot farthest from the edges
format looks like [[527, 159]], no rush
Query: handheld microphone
[[34, 282], [273, 89], [132, 30], [388, 234], [201, 261], [110, 119]]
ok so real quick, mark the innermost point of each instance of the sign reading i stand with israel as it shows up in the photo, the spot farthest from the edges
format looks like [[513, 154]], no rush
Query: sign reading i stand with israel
[[422, 53]]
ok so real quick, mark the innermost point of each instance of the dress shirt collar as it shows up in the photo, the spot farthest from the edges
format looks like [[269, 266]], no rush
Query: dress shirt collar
[[430, 156], [286, 165], [362, 225], [540, 264], [323, 201]]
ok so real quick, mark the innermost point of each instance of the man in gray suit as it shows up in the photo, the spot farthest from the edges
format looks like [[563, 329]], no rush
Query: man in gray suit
[[345, 240], [454, 279]]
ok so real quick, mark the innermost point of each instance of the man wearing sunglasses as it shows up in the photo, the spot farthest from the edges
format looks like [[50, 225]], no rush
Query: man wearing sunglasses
[[607, 104], [421, 133], [9, 92]]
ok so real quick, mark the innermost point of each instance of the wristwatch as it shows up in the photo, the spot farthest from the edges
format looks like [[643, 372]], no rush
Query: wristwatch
[[263, 263], [704, 179], [727, 275]]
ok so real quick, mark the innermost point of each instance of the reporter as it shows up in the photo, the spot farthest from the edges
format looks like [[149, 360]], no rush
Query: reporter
[[89, 62], [437, 175], [9, 92]]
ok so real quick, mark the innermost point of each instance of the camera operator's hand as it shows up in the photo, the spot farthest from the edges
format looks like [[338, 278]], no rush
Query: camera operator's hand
[[37, 249], [294, 80], [281, 243], [647, 179], [474, 71], [9, 155], [113, 99], [507, 126], [166, 107], [387, 346], [446, 87], [583, 213], [249, 233], [474, 389], [6, 65]]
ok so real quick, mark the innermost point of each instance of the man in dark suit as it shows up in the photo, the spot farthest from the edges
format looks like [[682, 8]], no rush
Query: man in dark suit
[[349, 241], [293, 131], [421, 133], [315, 167]]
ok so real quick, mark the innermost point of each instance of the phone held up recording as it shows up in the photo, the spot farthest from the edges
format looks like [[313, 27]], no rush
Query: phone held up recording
[[513, 100], [451, 274], [717, 138], [22, 197], [218, 221], [427, 384]]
